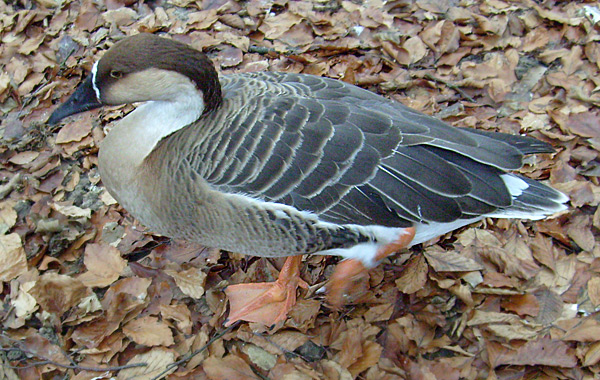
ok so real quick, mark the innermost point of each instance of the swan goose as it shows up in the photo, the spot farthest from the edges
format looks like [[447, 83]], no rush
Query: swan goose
[[280, 164]]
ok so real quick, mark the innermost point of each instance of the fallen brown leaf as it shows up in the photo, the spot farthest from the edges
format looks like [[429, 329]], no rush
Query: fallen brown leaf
[[526, 304], [43, 348], [592, 356], [149, 331], [413, 276], [586, 331], [104, 264], [593, 288], [551, 306], [58, 293], [444, 261], [371, 352], [12, 257], [156, 362], [230, 367], [542, 351], [190, 281]]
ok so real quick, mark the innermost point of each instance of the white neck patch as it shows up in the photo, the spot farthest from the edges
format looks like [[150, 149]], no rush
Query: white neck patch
[[96, 90], [155, 120]]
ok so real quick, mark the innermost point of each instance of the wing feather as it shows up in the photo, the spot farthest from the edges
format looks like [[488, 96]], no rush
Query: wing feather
[[350, 155]]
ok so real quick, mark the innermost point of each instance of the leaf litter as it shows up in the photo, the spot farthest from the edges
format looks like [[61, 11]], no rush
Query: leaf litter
[[89, 293]]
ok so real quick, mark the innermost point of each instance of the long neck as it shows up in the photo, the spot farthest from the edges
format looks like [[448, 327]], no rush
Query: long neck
[[135, 136]]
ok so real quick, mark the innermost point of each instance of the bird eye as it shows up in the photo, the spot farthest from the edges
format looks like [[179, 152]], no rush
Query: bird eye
[[116, 74]]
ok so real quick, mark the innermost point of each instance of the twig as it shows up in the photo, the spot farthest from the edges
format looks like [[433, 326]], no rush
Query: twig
[[57, 364], [257, 373], [449, 85], [83, 368], [10, 186], [260, 49], [279, 347], [217, 336]]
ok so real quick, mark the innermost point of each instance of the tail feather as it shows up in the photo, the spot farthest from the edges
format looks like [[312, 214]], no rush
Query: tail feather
[[525, 144], [532, 199]]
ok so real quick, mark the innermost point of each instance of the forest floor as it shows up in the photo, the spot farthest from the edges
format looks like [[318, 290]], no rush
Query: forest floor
[[87, 293]]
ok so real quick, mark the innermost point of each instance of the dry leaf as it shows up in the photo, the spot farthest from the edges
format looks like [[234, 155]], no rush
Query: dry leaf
[[24, 158], [290, 371], [4, 81], [72, 211], [379, 313], [190, 281], [73, 131], [579, 229], [585, 331], [537, 38], [120, 17], [149, 331], [514, 332], [333, 370], [199, 342], [523, 305], [8, 216], [33, 80], [585, 124], [592, 356], [43, 348], [180, 314], [6, 372], [593, 287], [157, 360], [203, 19], [351, 349], [415, 51], [413, 276], [87, 17], [371, 352], [551, 306], [230, 367], [303, 314], [12, 257], [58, 293], [484, 317], [289, 340], [230, 57], [298, 35], [24, 303], [104, 264], [260, 357], [275, 26], [434, 6], [31, 44], [542, 351], [448, 261], [432, 34]]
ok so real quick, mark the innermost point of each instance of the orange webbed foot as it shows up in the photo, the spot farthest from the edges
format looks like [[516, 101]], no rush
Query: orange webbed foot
[[266, 302], [345, 274], [348, 271]]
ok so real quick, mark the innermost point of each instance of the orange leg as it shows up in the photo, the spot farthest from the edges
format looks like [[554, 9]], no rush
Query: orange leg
[[349, 270], [266, 302]]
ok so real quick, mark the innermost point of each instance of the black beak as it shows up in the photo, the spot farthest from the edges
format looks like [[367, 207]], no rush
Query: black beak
[[83, 99]]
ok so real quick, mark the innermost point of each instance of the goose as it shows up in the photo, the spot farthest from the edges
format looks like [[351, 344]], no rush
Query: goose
[[281, 165]]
